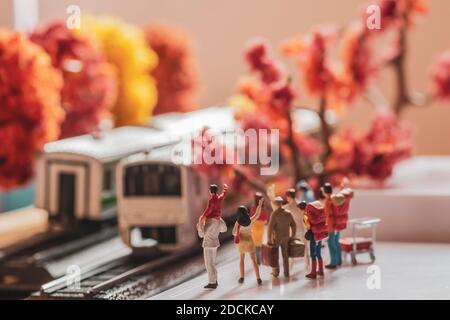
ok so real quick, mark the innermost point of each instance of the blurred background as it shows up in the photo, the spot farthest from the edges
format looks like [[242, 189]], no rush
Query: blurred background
[[220, 31]]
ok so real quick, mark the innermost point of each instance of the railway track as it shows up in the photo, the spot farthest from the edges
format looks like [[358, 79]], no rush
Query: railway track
[[94, 280], [22, 274], [129, 279]]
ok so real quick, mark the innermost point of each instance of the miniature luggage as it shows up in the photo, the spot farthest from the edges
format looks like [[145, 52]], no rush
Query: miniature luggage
[[341, 205], [317, 218], [296, 249], [316, 212], [270, 255], [361, 244]]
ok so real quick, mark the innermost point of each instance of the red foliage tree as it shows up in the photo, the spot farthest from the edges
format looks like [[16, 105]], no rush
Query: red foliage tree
[[30, 112], [176, 74], [90, 82]]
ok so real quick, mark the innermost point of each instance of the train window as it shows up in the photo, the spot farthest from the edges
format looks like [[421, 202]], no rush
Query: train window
[[152, 180]]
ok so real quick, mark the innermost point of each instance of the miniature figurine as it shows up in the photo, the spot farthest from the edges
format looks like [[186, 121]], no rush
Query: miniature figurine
[[280, 223], [242, 232], [258, 226], [297, 214], [307, 194], [333, 238], [210, 225], [315, 222]]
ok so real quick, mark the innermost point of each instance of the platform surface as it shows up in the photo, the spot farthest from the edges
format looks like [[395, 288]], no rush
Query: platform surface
[[407, 271]]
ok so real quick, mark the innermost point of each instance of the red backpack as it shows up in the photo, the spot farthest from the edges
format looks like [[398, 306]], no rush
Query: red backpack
[[341, 206], [318, 220]]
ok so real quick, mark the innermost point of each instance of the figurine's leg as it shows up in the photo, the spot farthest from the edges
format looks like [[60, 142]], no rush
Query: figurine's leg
[[338, 249], [319, 259], [312, 248], [242, 268], [258, 255], [285, 254], [207, 264], [256, 267], [276, 272], [210, 264], [307, 254], [213, 265], [332, 250]]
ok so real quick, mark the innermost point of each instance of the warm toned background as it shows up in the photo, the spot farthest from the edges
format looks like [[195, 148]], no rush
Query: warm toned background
[[221, 28]]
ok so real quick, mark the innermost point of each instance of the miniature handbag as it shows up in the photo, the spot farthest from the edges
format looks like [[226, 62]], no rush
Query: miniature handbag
[[270, 255], [296, 248]]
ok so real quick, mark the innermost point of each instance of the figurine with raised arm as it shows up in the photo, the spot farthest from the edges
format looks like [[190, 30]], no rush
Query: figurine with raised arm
[[258, 226], [281, 230], [297, 214], [209, 226], [243, 236]]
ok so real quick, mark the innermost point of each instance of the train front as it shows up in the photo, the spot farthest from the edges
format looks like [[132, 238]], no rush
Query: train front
[[158, 200]]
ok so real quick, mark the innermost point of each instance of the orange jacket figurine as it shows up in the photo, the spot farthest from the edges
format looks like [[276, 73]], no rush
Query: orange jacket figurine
[[333, 238], [258, 226]]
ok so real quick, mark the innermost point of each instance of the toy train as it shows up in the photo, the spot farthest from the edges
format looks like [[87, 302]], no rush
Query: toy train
[[75, 177], [129, 171]]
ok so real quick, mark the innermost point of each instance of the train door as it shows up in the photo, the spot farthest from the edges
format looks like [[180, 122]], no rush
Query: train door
[[67, 198], [68, 192]]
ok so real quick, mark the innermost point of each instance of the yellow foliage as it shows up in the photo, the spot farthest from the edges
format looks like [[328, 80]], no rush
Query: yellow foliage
[[126, 48]]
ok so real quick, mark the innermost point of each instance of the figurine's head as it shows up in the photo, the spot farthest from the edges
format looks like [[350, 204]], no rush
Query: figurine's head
[[290, 194], [327, 190], [213, 189], [303, 186], [278, 201], [302, 205], [258, 196], [243, 216]]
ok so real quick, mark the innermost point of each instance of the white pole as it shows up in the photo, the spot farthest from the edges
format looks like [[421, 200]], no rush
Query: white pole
[[26, 15]]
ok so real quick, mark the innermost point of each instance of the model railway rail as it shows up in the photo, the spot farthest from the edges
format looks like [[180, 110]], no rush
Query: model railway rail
[[23, 274], [132, 277], [128, 280], [96, 280]]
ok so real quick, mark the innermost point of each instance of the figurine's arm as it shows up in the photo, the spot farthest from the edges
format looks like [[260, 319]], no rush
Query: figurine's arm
[[258, 211], [293, 227], [270, 229], [235, 228], [271, 195], [306, 222], [224, 192]]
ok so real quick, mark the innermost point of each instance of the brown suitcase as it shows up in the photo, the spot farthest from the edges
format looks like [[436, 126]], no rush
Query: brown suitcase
[[270, 256], [296, 249]]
